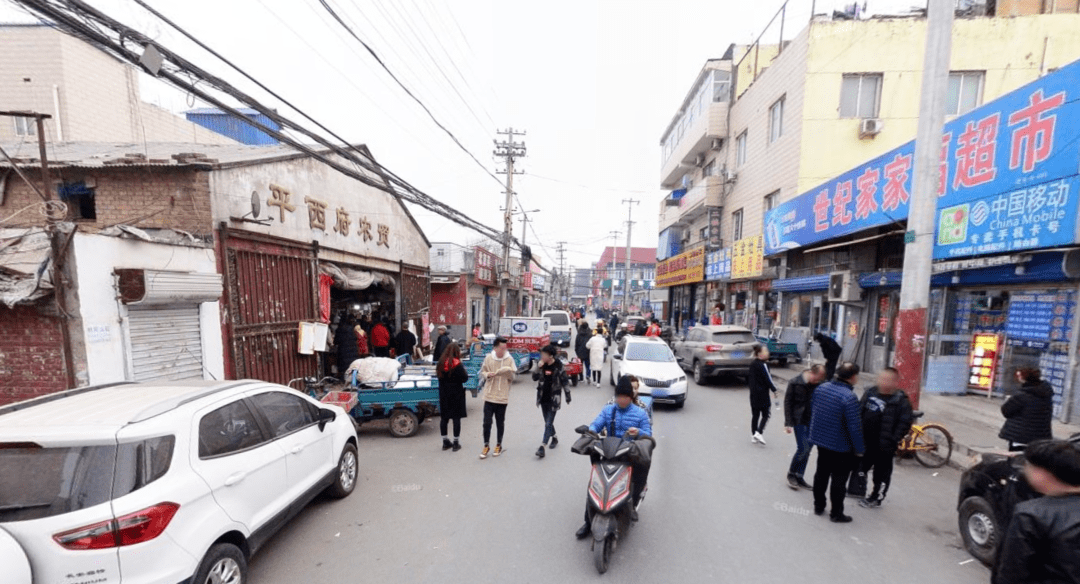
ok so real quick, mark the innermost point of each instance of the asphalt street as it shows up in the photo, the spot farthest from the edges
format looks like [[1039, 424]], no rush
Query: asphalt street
[[718, 510]]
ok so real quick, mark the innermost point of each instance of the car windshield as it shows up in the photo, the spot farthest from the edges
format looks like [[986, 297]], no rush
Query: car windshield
[[657, 352], [37, 482], [558, 319], [733, 338]]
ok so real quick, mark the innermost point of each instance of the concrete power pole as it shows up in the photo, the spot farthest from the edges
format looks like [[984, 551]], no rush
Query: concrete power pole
[[911, 331], [611, 272], [561, 281], [509, 151], [629, 227]]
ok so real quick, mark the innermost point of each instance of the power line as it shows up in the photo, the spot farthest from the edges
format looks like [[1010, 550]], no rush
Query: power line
[[82, 20], [407, 91], [581, 186]]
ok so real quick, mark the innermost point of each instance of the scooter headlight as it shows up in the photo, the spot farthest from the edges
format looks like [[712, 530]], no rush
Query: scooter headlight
[[596, 489], [621, 486]]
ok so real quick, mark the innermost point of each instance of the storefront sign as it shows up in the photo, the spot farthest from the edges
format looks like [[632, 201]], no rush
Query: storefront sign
[[485, 267], [526, 280], [747, 258], [983, 360], [685, 268], [718, 265], [1008, 180], [884, 313], [538, 281], [1037, 319], [976, 263], [715, 217]]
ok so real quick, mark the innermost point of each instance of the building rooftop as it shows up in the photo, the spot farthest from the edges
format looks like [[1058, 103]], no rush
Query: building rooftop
[[638, 255]]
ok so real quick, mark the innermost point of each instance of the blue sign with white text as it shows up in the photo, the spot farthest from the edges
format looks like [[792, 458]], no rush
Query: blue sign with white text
[[1008, 180], [718, 265]]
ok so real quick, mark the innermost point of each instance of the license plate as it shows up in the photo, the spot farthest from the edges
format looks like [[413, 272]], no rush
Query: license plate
[[737, 355], [659, 393]]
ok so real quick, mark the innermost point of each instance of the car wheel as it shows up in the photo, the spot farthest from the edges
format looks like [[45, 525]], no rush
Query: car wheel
[[699, 376], [611, 377], [223, 564], [347, 470], [979, 529]]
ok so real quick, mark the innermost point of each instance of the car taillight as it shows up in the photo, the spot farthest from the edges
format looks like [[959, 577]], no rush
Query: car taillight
[[713, 348], [130, 529]]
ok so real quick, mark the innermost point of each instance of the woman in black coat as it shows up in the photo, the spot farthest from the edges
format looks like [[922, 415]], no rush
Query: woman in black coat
[[584, 333], [761, 384], [1028, 413], [452, 377]]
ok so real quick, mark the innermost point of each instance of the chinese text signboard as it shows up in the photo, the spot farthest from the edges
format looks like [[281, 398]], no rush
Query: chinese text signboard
[[718, 265], [527, 280], [747, 258], [1008, 180], [715, 217], [983, 360], [485, 267], [685, 268], [1037, 319]]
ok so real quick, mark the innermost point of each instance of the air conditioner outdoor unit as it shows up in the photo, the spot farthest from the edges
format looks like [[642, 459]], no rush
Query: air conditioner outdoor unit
[[730, 175], [700, 160], [716, 144], [870, 127], [844, 287]]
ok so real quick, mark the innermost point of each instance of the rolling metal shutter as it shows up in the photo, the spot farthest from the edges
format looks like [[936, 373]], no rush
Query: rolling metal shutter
[[166, 344]]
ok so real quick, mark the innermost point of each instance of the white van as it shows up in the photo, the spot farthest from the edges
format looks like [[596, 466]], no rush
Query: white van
[[563, 328]]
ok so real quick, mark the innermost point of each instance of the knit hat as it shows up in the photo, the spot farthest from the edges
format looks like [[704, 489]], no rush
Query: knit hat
[[624, 387]]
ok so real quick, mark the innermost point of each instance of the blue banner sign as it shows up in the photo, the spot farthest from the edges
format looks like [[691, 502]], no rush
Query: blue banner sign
[[718, 265], [1008, 180]]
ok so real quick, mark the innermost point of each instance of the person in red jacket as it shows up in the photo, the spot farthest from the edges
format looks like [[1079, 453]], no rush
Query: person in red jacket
[[380, 340], [654, 329]]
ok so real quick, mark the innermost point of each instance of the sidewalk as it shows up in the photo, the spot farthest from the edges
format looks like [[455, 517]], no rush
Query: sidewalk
[[973, 421]]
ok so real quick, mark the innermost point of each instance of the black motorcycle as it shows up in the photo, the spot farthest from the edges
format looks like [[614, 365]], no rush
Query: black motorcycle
[[610, 487]]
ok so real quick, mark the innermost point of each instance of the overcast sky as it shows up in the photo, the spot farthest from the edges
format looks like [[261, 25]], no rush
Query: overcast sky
[[593, 83]]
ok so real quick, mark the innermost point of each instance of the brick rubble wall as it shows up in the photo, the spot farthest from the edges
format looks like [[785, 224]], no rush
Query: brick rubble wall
[[31, 354]]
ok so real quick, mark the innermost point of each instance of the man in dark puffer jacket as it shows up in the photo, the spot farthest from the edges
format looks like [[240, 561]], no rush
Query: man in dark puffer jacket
[[1028, 413], [886, 418]]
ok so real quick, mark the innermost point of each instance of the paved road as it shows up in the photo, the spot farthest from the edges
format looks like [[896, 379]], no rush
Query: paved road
[[718, 510]]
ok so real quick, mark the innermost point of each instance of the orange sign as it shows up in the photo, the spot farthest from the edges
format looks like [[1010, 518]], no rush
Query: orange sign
[[983, 360], [685, 268]]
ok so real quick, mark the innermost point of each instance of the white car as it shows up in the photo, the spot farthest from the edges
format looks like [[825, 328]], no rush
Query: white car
[[650, 360], [563, 329], [161, 483]]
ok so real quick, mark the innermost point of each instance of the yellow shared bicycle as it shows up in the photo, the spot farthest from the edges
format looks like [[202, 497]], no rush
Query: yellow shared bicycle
[[930, 444]]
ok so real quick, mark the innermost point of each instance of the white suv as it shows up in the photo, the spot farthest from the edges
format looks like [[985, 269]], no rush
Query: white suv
[[651, 361], [161, 483]]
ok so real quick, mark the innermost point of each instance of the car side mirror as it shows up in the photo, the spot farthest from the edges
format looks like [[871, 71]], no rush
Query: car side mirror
[[325, 416], [680, 359], [617, 356]]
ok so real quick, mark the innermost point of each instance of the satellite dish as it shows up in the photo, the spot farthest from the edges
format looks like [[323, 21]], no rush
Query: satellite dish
[[256, 204]]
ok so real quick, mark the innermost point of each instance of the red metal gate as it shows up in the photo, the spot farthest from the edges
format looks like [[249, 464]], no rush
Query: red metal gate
[[271, 287]]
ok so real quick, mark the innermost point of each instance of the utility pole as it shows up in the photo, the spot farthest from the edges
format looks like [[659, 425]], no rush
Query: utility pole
[[629, 227], [611, 273], [561, 283], [911, 331], [508, 150], [54, 213]]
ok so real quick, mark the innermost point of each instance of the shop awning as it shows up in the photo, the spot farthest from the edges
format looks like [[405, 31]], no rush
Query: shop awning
[[353, 279], [803, 284]]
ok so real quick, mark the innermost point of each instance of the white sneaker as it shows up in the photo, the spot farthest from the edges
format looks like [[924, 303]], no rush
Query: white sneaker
[[761, 439], [754, 438]]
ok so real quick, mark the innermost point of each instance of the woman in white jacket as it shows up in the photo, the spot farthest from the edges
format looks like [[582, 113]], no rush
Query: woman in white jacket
[[596, 346]]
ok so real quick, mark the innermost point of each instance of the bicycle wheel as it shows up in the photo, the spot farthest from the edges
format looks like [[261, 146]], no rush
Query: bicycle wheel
[[933, 447]]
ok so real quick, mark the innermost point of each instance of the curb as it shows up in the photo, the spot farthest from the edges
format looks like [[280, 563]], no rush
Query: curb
[[963, 456]]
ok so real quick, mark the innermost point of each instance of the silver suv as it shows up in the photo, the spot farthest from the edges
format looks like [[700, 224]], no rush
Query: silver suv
[[711, 350]]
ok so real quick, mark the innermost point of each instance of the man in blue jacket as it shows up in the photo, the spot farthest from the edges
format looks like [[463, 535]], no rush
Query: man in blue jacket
[[836, 429], [623, 418]]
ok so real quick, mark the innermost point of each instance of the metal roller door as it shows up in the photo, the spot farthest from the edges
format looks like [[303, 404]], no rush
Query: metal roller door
[[166, 344]]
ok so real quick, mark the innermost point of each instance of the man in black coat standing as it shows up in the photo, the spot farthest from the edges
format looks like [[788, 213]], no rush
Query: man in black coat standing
[[345, 342], [1028, 413], [761, 384], [405, 342], [797, 410], [441, 342], [832, 351], [886, 419]]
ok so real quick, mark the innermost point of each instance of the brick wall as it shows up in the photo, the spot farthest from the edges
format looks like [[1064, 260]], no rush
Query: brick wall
[[146, 197], [31, 354]]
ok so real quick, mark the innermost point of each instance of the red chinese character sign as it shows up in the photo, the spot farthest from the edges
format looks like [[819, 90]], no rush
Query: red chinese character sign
[[1009, 180]]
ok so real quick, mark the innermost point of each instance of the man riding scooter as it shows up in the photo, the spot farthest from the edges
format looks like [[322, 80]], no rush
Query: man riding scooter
[[622, 418]]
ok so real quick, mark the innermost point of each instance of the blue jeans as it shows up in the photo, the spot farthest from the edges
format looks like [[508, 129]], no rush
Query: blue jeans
[[549, 412], [802, 450]]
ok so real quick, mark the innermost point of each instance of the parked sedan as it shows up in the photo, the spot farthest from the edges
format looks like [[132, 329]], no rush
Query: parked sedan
[[650, 360], [989, 492], [711, 350]]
